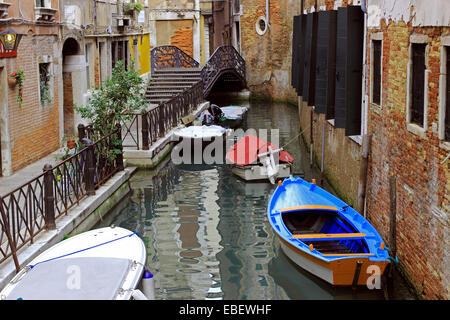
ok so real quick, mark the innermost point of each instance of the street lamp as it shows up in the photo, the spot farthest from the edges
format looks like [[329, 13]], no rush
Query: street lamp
[[10, 39]]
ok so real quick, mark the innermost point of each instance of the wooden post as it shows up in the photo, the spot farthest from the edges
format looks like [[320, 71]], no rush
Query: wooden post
[[89, 167], [145, 142], [393, 215], [323, 153], [363, 174], [81, 131], [311, 138], [49, 198], [119, 158]]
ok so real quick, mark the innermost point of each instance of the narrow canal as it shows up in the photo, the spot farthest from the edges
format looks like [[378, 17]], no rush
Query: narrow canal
[[206, 230]]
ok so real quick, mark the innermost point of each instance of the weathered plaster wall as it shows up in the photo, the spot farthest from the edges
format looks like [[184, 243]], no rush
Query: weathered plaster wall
[[268, 56]]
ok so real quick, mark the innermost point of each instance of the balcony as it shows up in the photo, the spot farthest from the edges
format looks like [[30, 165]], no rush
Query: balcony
[[4, 9], [44, 14]]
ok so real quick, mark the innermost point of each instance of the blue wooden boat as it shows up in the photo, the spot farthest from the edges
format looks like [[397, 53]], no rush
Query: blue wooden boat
[[324, 235]]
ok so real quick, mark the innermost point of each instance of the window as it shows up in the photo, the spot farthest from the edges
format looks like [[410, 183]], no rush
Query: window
[[88, 78], [376, 72], [44, 83], [418, 84], [119, 51], [43, 4]]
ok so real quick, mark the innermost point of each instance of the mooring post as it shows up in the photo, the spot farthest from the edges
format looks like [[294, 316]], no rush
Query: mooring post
[[363, 174], [311, 137], [145, 142], [49, 198], [393, 215], [323, 153]]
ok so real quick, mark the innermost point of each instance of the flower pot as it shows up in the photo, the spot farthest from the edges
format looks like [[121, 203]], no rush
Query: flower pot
[[71, 144], [12, 82]]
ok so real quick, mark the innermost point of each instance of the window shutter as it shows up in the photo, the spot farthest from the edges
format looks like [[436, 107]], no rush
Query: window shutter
[[300, 54], [309, 74], [326, 62], [295, 37], [349, 56]]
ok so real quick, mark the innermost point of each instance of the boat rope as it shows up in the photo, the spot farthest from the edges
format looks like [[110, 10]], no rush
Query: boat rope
[[301, 132], [85, 249]]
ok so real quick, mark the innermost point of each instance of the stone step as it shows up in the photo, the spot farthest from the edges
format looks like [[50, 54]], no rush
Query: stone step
[[179, 70]]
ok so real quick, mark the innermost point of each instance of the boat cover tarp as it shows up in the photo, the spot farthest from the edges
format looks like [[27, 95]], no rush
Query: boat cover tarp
[[200, 132], [246, 151], [99, 279], [233, 112]]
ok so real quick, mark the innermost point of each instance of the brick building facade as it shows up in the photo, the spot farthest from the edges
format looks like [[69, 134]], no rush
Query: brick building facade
[[68, 48], [401, 104], [30, 131]]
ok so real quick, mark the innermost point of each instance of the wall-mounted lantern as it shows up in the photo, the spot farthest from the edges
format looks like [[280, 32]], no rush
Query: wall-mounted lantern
[[10, 40]]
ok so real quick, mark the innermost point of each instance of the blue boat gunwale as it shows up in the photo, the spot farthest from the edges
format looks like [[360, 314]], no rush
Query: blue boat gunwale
[[372, 239]]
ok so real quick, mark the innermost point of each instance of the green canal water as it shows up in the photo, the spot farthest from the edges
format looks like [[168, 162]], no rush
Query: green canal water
[[206, 230]]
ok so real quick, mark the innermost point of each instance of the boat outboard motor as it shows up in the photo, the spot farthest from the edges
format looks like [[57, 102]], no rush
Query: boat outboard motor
[[269, 164], [216, 113], [207, 118]]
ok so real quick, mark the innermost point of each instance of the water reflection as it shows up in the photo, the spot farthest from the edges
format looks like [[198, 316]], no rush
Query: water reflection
[[206, 230]]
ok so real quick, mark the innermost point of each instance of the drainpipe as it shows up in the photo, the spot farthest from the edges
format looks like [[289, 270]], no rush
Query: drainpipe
[[267, 14]]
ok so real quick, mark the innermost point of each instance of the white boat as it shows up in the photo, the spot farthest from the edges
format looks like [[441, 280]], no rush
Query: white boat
[[101, 264], [199, 132]]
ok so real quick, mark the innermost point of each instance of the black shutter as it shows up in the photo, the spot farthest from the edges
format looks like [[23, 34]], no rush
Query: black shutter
[[309, 74], [295, 37], [326, 62], [300, 54], [349, 55]]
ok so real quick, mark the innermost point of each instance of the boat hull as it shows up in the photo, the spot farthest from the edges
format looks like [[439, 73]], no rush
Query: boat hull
[[256, 173], [325, 236], [339, 272], [106, 263]]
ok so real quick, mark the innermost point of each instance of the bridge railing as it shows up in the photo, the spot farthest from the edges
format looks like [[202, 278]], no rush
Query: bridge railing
[[165, 57], [224, 59]]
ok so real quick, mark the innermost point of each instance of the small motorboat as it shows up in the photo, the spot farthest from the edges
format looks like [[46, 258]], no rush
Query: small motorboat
[[228, 116], [253, 159], [324, 235], [101, 264], [205, 132], [233, 116], [192, 141]]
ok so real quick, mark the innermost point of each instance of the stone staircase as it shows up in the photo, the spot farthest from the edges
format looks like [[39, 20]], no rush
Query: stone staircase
[[167, 83]]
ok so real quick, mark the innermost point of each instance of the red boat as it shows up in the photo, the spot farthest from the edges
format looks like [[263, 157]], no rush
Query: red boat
[[253, 159]]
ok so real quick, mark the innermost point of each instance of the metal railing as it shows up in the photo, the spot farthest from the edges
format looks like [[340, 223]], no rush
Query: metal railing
[[147, 127], [165, 57], [34, 206], [225, 59]]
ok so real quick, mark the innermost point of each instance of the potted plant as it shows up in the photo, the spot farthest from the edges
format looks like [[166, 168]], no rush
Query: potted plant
[[17, 78], [70, 141]]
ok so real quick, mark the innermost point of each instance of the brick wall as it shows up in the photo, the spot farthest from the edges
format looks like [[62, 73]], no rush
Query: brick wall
[[422, 182], [34, 130], [268, 56], [183, 39]]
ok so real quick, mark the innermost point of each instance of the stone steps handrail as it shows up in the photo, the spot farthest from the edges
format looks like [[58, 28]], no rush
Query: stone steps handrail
[[165, 57]]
